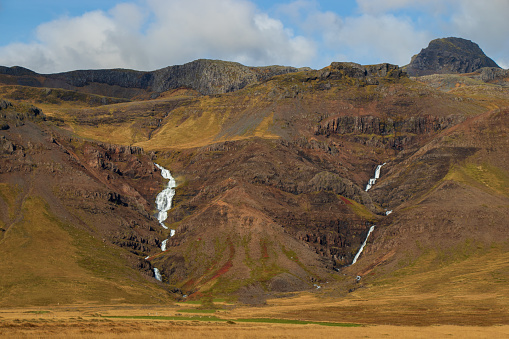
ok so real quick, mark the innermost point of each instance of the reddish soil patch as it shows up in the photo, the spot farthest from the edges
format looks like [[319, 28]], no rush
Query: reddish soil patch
[[346, 201], [223, 269], [188, 284], [265, 253]]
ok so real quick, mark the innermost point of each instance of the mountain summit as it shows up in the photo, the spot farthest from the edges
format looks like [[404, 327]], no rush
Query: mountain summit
[[449, 55]]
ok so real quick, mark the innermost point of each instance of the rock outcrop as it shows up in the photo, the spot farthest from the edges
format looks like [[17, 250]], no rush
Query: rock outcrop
[[385, 126], [209, 77], [449, 55], [366, 73]]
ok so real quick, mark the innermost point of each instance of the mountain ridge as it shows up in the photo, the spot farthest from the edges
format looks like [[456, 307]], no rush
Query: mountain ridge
[[208, 77], [449, 55]]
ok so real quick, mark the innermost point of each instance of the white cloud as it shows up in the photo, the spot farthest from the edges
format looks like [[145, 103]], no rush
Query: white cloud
[[161, 33], [149, 34], [384, 38], [377, 7], [224, 29], [484, 22], [373, 36]]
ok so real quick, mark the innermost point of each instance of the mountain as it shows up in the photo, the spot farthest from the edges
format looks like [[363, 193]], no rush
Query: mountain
[[449, 55], [271, 193], [207, 77]]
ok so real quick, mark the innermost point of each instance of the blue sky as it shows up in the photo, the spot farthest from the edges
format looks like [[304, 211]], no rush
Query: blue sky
[[60, 35]]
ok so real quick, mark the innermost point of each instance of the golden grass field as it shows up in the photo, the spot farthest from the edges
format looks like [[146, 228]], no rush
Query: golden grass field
[[88, 321]]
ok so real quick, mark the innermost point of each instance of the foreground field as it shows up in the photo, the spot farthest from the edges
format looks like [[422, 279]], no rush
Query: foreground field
[[303, 315], [157, 329]]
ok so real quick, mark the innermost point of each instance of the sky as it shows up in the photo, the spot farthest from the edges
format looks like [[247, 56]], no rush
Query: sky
[[51, 36]]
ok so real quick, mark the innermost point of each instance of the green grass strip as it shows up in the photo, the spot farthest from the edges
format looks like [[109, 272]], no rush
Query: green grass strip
[[242, 320], [292, 321], [192, 302], [196, 310]]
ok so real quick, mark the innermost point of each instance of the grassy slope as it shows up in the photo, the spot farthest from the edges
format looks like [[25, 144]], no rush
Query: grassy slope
[[46, 261]]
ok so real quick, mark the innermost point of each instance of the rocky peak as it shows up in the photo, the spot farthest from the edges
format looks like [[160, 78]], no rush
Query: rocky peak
[[449, 55]]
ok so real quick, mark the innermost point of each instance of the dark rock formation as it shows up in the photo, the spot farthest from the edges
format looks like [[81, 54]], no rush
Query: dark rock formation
[[385, 126], [367, 73], [449, 55], [208, 77], [494, 75], [16, 71], [213, 76]]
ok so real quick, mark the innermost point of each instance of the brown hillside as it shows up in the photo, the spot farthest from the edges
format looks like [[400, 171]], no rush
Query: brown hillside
[[271, 178]]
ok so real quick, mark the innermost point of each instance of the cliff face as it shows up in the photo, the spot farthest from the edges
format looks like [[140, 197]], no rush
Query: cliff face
[[388, 132], [367, 73], [449, 55], [209, 77], [213, 76]]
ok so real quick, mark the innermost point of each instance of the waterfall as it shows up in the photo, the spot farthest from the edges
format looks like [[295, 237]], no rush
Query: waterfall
[[158, 274], [165, 197], [372, 181], [362, 246], [163, 204]]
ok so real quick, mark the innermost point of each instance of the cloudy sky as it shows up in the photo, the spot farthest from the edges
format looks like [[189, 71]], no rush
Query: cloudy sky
[[60, 35]]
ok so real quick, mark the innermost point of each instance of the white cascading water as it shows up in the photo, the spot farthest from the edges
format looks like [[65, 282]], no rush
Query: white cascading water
[[372, 181], [362, 246], [163, 204], [163, 245], [158, 274], [165, 197]]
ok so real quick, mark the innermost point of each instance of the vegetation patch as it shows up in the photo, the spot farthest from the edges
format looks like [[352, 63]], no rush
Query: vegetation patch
[[241, 320], [197, 310], [8, 194], [481, 175]]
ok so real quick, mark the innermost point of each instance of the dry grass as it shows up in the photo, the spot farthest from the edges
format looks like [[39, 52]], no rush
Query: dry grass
[[461, 294], [45, 262], [79, 323], [484, 176]]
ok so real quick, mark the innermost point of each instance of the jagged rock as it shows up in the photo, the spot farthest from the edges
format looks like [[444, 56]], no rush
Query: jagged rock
[[449, 55], [326, 181], [7, 146], [493, 73], [368, 73], [4, 104], [384, 126], [205, 76], [387, 132]]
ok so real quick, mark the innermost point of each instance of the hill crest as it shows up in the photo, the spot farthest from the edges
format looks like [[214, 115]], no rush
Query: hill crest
[[449, 55]]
